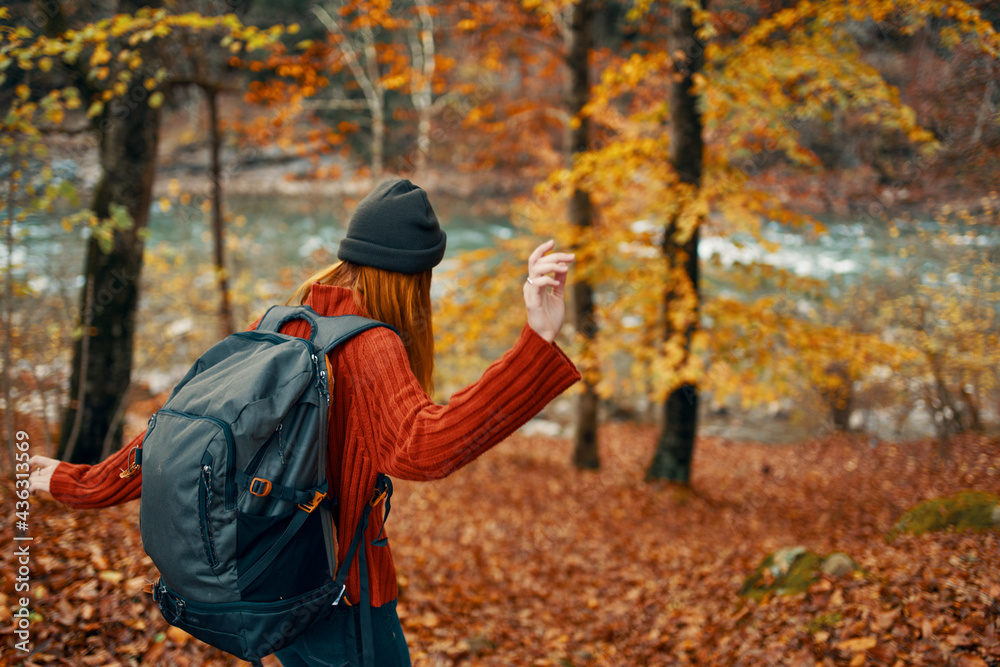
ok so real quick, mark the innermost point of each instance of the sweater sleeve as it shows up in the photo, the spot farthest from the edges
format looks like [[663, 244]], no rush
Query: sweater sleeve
[[83, 486], [100, 485], [410, 437]]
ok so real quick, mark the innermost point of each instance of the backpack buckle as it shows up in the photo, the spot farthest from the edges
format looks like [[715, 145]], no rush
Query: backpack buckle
[[378, 497], [133, 460], [263, 489], [314, 503]]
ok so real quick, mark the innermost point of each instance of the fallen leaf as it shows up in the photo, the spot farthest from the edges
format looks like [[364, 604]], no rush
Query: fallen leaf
[[857, 644], [178, 636], [883, 620], [134, 586], [111, 576]]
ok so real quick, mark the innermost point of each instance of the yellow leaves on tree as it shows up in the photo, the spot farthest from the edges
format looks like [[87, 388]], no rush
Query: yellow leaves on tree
[[19, 45], [758, 91]]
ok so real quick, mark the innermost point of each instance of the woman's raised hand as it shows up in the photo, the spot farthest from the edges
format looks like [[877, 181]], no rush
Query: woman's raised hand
[[545, 288]]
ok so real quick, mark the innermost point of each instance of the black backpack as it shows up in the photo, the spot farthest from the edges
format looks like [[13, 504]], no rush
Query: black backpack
[[233, 471]]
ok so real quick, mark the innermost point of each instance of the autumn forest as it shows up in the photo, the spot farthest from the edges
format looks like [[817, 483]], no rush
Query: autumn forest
[[785, 307]]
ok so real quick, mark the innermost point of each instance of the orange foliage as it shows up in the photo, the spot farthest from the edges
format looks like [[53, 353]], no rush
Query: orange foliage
[[760, 87]]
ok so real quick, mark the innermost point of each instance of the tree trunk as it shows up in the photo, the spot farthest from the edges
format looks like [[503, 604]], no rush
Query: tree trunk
[[423, 141], [225, 309], [422, 53], [581, 213], [374, 91], [8, 315], [128, 141], [362, 60], [378, 142], [675, 448], [975, 415], [585, 450], [840, 397]]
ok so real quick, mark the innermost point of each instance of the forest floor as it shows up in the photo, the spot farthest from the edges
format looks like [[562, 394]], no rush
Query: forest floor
[[519, 559]]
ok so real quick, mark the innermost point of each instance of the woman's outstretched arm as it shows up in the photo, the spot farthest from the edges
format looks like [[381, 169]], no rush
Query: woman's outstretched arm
[[410, 437], [88, 486]]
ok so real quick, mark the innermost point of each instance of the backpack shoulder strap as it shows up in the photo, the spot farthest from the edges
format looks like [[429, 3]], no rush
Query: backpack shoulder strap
[[326, 332]]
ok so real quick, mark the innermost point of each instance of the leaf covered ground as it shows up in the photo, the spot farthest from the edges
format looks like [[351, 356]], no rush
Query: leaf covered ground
[[521, 560]]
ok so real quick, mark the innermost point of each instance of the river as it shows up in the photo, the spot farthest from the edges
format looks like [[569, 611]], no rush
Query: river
[[274, 234]]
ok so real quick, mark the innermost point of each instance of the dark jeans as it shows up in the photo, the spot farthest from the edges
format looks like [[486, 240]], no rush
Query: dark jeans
[[335, 640]]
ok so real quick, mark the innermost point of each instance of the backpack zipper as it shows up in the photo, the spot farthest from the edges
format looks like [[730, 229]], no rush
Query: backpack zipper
[[230, 451], [223, 607], [205, 504], [321, 380]]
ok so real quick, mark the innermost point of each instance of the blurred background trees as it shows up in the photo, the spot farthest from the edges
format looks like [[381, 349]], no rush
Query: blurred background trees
[[119, 66]]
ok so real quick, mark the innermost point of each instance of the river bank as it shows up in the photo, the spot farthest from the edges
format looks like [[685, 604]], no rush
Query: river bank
[[282, 226]]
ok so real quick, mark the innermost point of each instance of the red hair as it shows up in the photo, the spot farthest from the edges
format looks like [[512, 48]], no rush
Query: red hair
[[399, 299]]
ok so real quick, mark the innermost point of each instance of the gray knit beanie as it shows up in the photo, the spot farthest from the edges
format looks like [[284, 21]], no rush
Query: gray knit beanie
[[394, 228]]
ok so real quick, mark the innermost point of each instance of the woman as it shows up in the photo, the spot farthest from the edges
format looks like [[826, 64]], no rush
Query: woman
[[384, 420]]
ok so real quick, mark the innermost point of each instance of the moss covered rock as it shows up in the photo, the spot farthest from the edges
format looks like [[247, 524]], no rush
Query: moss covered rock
[[793, 570], [838, 564], [966, 510]]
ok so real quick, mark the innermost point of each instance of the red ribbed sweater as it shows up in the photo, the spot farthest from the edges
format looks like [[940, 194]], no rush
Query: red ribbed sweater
[[381, 421]]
